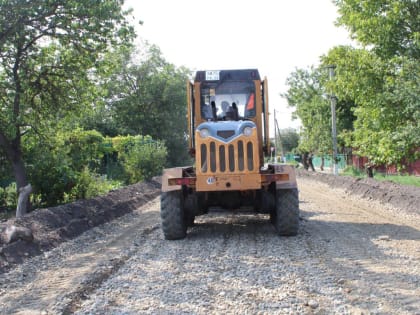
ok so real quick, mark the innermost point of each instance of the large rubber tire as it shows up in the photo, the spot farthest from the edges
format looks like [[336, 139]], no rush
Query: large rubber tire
[[285, 217], [189, 219], [174, 225]]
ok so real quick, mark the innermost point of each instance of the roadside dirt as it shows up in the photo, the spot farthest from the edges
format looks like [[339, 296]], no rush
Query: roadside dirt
[[352, 255], [52, 226], [406, 198]]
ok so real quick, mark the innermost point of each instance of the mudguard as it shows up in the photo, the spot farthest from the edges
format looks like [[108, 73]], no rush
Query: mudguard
[[168, 173], [285, 169]]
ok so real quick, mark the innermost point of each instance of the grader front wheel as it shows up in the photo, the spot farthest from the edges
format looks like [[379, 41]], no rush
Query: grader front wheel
[[172, 213], [285, 216]]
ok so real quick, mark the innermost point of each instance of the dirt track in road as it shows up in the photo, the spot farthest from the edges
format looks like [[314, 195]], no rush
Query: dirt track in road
[[351, 256]]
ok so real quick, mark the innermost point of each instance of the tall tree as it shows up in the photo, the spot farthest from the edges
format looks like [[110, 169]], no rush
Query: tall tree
[[378, 107], [383, 80], [289, 139], [307, 95], [391, 27], [49, 51], [387, 111], [148, 97]]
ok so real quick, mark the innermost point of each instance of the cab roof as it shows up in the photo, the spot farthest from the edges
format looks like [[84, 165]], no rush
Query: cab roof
[[227, 75]]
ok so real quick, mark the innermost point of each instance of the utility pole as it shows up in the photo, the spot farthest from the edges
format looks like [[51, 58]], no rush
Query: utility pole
[[278, 137], [333, 123], [275, 134]]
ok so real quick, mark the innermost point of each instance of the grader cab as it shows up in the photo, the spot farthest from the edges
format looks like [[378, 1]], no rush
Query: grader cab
[[228, 137]]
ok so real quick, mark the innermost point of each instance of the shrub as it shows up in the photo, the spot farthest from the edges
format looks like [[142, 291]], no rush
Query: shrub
[[69, 166], [8, 200], [56, 166], [141, 157], [90, 185]]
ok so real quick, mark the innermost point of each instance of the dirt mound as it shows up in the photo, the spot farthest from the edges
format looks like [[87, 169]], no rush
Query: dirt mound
[[405, 198], [51, 226]]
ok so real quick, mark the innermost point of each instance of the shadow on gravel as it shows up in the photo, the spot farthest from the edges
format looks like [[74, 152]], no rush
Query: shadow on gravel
[[231, 224], [372, 231]]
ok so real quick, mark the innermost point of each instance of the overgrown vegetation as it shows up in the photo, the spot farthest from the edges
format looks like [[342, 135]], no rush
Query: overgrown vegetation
[[83, 164]]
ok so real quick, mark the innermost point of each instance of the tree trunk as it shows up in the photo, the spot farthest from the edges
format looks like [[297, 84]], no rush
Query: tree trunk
[[23, 200], [305, 161], [369, 171], [23, 187], [14, 155]]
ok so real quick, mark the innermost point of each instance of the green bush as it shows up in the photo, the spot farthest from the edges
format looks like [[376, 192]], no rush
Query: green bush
[[144, 162], [57, 168], [11, 195], [85, 147], [141, 157], [50, 170], [81, 164], [90, 185], [8, 201], [353, 171]]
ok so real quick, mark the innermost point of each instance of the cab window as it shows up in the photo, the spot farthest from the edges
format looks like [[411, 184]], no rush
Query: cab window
[[224, 94]]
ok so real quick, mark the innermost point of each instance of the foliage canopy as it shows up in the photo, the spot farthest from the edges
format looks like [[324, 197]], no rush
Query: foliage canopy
[[50, 54], [377, 86]]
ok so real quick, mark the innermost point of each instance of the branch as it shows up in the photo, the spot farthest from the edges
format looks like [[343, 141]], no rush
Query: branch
[[26, 131]]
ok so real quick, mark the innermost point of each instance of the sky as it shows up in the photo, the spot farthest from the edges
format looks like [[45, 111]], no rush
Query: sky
[[273, 36]]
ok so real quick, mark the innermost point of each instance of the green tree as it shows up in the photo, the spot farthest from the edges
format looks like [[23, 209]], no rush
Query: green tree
[[289, 139], [387, 111], [384, 79], [307, 95], [378, 107], [391, 27], [148, 97], [49, 52]]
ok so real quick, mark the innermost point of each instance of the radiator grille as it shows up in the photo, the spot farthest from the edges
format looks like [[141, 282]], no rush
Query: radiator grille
[[227, 158]]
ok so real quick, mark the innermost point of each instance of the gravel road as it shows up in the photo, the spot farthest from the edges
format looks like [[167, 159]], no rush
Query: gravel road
[[350, 257]]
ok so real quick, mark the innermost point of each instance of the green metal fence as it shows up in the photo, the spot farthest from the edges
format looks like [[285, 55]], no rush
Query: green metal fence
[[317, 160], [328, 161]]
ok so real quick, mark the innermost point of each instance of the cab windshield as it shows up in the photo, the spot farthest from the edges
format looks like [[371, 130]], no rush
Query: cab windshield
[[226, 96]]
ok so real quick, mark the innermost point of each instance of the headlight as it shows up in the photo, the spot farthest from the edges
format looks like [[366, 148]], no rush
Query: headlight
[[247, 131], [204, 133]]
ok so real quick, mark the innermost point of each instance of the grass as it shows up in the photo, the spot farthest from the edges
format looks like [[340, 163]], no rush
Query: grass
[[399, 179]]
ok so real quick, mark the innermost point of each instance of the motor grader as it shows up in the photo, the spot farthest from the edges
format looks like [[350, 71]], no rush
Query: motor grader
[[228, 124]]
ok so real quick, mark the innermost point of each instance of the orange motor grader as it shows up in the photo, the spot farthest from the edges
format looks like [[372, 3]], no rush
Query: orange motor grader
[[228, 137]]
